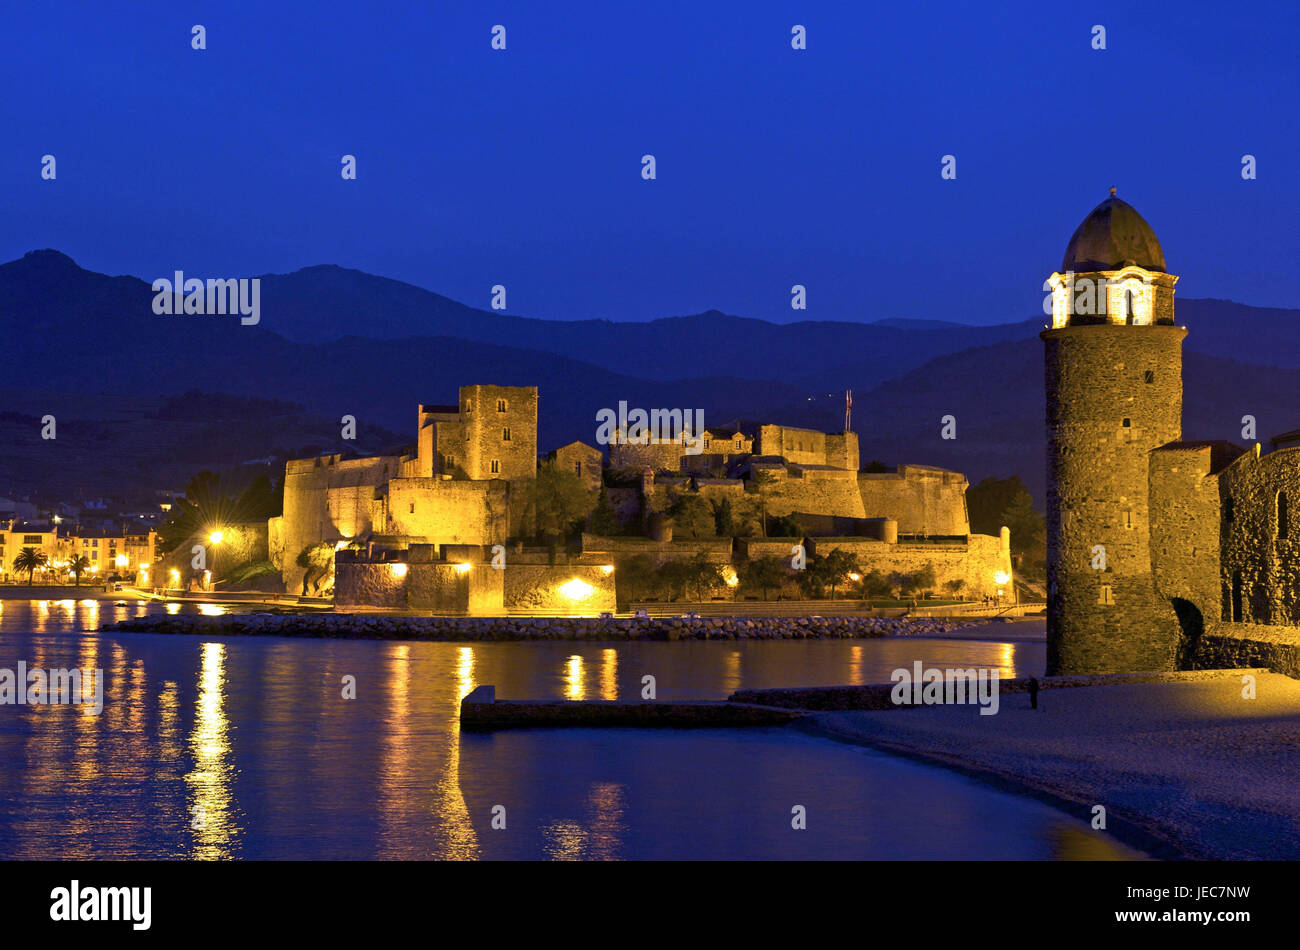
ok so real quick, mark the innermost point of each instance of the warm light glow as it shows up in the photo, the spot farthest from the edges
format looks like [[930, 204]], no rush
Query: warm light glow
[[854, 576], [729, 576], [216, 537], [607, 569], [121, 560], [576, 589], [397, 569], [464, 568], [1001, 577], [175, 575]]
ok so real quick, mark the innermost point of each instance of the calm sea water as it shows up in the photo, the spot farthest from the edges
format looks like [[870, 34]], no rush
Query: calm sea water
[[235, 747]]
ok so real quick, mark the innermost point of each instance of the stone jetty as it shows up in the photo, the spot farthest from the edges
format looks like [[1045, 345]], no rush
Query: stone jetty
[[371, 627]]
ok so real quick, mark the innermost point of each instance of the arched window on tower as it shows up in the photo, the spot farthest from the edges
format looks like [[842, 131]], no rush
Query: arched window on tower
[[1129, 307]]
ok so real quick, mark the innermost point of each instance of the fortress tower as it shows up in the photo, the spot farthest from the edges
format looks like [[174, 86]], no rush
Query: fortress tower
[[1114, 393]]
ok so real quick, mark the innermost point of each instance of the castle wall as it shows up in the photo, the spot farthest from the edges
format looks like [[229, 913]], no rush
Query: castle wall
[[583, 460], [545, 588], [328, 498], [923, 500], [821, 491], [447, 511], [485, 423], [975, 562], [656, 456], [800, 446]]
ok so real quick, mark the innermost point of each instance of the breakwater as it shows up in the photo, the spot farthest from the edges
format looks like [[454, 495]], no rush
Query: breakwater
[[474, 629]]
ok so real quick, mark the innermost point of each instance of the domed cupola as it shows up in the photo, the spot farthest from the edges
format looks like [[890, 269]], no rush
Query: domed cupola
[[1113, 272], [1112, 237]]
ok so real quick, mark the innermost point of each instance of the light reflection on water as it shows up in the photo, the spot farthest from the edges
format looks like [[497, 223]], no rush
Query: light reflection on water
[[246, 748]]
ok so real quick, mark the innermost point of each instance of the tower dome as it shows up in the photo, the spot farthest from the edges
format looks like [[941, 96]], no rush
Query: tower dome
[[1112, 237]]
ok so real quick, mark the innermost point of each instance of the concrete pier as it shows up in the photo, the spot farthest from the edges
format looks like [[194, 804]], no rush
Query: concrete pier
[[481, 710]]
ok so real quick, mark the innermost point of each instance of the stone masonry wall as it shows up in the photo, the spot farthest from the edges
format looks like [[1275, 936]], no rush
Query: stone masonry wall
[[1114, 393]]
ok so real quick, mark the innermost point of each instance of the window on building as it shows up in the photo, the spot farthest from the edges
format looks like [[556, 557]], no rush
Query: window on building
[[1227, 509], [577, 469], [707, 443], [1283, 515], [739, 443], [496, 467], [505, 435], [1236, 597], [1127, 423], [1149, 376], [1106, 596], [501, 405], [412, 507], [1128, 519]]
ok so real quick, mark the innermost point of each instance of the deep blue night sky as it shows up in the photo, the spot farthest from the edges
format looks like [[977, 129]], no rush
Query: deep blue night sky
[[776, 167]]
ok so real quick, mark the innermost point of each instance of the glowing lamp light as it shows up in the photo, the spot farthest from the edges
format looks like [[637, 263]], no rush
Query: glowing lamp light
[[464, 568], [854, 576], [121, 560], [397, 569], [729, 576], [1001, 578], [576, 589], [175, 575], [607, 569], [216, 537]]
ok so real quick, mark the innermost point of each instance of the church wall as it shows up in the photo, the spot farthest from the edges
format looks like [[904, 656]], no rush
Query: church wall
[[1267, 559]]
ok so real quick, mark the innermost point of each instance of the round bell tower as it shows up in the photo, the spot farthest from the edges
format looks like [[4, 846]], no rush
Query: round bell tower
[[1114, 393]]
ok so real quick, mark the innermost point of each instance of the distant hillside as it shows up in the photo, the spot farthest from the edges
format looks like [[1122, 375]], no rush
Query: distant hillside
[[334, 341], [127, 445]]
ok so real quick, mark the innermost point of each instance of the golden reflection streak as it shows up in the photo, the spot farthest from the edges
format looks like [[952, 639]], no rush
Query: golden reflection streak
[[606, 806], [458, 840], [88, 725], [609, 674], [855, 666], [1007, 660], [731, 672], [211, 819], [573, 679]]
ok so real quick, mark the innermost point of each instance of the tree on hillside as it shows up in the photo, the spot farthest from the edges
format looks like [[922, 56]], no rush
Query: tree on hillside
[[210, 502], [698, 575], [724, 522], [557, 501], [76, 565], [763, 481], [29, 559], [604, 521], [875, 585], [827, 571], [995, 502], [692, 517], [763, 574]]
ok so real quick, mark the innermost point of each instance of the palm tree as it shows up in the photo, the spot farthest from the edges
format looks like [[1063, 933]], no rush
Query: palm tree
[[29, 559], [78, 564]]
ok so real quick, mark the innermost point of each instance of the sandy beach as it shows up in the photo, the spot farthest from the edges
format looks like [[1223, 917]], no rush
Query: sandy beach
[[1184, 769]]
